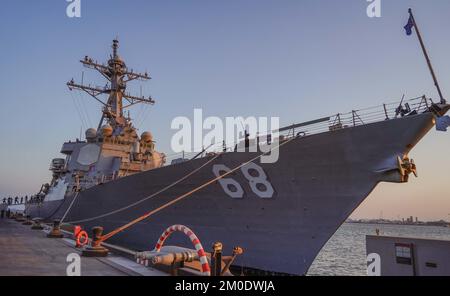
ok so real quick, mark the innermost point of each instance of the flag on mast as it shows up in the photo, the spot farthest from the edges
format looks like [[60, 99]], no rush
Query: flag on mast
[[409, 26]]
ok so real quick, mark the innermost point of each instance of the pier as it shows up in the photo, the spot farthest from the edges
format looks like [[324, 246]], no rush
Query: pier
[[27, 252]]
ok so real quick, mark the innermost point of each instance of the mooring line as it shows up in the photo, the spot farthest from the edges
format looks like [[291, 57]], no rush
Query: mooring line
[[148, 197], [54, 212], [70, 206], [145, 216]]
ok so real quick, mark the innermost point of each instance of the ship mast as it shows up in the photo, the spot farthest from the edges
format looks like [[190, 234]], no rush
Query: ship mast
[[118, 75]]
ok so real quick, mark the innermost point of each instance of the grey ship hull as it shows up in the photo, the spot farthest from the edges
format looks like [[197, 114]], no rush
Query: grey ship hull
[[319, 180]]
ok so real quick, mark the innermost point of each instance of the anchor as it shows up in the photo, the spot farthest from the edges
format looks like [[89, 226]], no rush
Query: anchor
[[406, 166]]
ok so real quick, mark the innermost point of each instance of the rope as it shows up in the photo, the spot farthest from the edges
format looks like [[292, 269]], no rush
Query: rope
[[54, 212], [78, 111], [68, 209], [148, 197], [84, 109], [145, 113], [143, 217]]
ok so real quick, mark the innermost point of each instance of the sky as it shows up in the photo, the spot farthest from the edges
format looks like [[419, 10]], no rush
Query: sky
[[298, 60]]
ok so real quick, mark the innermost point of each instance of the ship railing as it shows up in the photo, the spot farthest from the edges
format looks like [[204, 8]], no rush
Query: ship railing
[[388, 111], [359, 117], [103, 178], [185, 156], [107, 178]]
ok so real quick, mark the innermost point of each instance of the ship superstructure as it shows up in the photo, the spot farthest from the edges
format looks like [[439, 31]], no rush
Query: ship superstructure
[[114, 149]]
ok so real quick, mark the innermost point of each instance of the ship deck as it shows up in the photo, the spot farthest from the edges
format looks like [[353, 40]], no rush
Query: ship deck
[[26, 252]]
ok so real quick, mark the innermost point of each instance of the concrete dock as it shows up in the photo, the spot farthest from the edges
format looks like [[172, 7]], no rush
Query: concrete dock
[[27, 252]]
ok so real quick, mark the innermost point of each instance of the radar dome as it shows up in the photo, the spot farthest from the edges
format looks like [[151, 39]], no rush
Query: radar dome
[[146, 137], [91, 133], [107, 130]]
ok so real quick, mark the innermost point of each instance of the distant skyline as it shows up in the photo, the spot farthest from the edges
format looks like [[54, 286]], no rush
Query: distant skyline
[[298, 60]]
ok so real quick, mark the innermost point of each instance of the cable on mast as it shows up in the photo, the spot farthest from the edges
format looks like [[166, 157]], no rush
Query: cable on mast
[[118, 75], [77, 109]]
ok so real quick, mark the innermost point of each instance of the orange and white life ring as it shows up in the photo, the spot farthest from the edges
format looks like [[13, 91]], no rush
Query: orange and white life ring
[[82, 239]]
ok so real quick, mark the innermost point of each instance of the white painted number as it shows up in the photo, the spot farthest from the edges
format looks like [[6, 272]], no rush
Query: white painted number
[[230, 186], [258, 180], [255, 175]]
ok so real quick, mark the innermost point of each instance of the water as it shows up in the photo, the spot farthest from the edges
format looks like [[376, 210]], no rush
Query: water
[[345, 252]]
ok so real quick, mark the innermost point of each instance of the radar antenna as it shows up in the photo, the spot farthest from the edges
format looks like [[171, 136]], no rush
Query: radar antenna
[[118, 75]]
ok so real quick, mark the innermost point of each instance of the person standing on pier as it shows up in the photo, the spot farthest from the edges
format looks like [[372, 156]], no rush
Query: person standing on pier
[[4, 200], [16, 200]]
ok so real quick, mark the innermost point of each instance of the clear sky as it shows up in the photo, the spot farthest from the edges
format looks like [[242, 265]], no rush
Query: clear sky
[[294, 59]]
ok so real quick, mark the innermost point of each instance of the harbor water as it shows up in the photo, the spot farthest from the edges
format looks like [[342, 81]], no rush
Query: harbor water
[[345, 252]]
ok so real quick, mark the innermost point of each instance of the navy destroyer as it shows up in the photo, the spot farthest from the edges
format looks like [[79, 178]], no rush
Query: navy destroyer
[[281, 213]]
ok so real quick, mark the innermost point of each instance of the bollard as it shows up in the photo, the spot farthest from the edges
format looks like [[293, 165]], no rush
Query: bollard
[[28, 221], [95, 249], [236, 252], [56, 231], [37, 224], [217, 259], [20, 218]]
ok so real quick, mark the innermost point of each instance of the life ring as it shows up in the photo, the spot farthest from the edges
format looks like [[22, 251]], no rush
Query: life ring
[[195, 241], [82, 238]]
